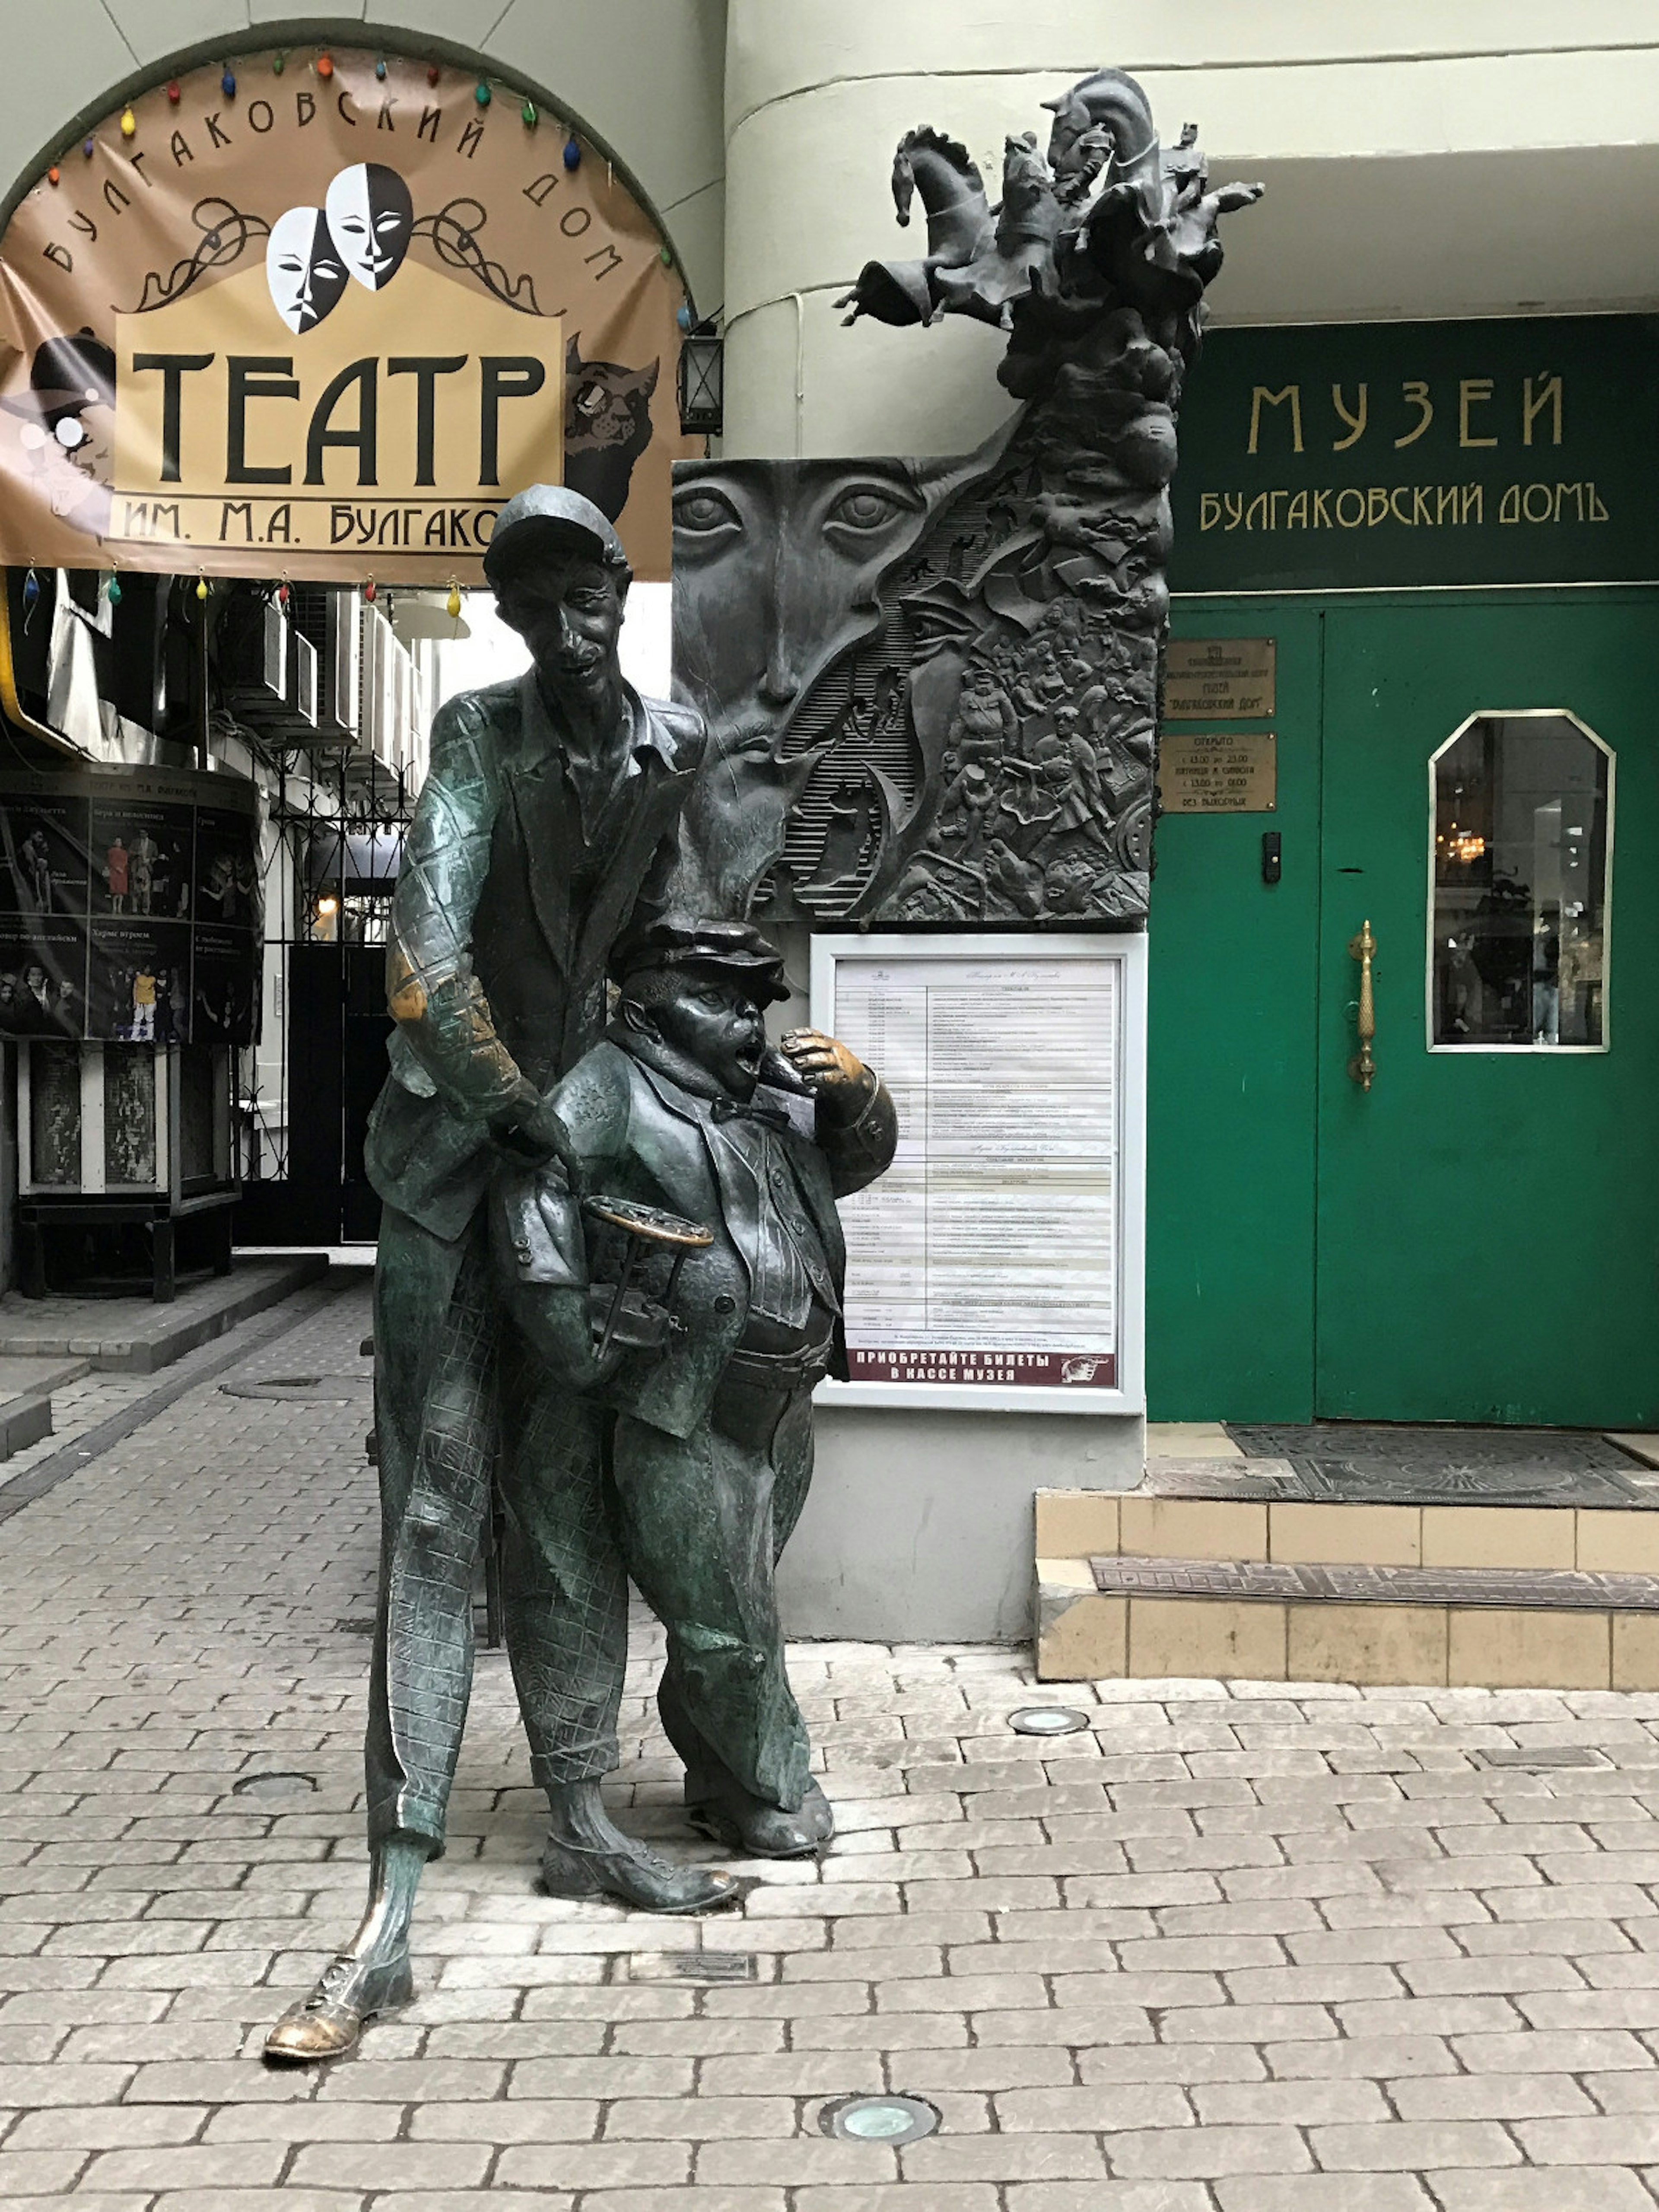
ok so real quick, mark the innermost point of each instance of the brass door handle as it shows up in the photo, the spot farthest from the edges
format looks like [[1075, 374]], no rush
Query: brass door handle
[[1362, 1067]]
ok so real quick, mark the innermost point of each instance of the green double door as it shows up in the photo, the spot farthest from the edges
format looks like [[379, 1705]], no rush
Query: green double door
[[1475, 1235]]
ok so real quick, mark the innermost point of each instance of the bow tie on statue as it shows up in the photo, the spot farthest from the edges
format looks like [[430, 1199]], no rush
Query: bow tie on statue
[[731, 1110]]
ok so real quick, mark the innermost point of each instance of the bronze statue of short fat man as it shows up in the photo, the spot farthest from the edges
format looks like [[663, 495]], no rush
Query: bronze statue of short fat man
[[682, 1271]]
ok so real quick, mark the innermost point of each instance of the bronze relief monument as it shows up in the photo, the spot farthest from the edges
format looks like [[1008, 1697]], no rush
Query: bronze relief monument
[[610, 1271], [932, 686]]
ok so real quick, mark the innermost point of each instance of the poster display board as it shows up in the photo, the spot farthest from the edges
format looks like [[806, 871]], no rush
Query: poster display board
[[131, 907], [998, 1260]]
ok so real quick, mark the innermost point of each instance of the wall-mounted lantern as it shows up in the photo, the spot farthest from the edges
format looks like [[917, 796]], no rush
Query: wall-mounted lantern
[[702, 382]]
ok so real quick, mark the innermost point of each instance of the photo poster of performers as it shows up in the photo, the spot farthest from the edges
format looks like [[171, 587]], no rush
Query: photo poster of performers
[[131, 910]]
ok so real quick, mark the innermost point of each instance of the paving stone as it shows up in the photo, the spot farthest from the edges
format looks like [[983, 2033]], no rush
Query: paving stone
[[1100, 2106], [989, 2067], [1207, 2154], [391, 2164], [873, 2196], [702, 2118], [592, 2165], [803, 2158], [944, 2157], [250, 2199], [1552, 2189], [1291, 2104], [1490, 2097], [211, 2166], [105, 2127], [1360, 2058], [1582, 2051], [1624, 2139], [524, 2120], [1097, 2197], [1248, 2024], [1323, 2192], [1405, 2145]]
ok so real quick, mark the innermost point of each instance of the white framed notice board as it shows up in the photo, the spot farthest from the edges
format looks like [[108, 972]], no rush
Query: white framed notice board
[[999, 1261]]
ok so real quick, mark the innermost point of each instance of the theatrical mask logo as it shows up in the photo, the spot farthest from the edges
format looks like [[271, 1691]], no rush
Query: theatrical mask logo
[[372, 217], [363, 230], [304, 268]]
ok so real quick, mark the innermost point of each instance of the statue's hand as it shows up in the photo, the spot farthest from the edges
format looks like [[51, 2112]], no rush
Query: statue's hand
[[538, 1137], [828, 1067]]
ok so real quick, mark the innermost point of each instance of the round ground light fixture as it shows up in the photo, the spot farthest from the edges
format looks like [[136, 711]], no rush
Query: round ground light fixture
[[273, 1785], [879, 2119], [1047, 1720]]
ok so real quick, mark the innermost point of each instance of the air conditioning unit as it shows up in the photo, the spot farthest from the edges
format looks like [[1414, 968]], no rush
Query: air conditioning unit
[[252, 644], [342, 699], [304, 701], [388, 693], [275, 635]]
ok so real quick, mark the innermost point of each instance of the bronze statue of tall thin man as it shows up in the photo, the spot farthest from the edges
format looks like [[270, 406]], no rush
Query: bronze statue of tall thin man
[[546, 826]]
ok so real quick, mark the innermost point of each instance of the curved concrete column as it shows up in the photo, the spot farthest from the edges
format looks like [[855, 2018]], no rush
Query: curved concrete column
[[643, 78]]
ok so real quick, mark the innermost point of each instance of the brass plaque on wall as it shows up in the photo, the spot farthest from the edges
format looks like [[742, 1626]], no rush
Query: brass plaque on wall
[[1209, 772], [1207, 676]]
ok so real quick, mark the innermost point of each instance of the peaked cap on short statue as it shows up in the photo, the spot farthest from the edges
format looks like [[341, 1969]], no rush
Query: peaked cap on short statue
[[735, 949], [548, 515]]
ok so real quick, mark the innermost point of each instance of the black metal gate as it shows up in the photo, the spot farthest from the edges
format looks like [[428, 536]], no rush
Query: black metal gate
[[336, 1032]]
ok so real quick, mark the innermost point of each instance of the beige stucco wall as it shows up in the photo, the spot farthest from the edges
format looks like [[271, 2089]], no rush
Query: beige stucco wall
[[1468, 157], [642, 78]]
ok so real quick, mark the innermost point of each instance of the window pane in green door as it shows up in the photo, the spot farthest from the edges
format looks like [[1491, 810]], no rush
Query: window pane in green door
[[1518, 931]]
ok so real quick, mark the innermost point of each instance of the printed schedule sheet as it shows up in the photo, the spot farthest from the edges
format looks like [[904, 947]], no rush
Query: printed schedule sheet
[[989, 1251]]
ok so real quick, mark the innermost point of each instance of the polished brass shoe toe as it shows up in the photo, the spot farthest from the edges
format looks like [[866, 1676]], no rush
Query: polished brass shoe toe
[[309, 2031], [328, 2022]]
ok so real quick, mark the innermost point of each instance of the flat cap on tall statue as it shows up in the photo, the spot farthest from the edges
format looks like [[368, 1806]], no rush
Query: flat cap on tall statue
[[548, 516]]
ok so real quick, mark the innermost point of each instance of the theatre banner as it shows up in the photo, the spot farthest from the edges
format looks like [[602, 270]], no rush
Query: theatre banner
[[131, 907], [317, 314]]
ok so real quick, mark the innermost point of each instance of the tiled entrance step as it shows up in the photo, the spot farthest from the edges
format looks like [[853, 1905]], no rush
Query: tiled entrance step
[[1262, 1567], [1565, 1587]]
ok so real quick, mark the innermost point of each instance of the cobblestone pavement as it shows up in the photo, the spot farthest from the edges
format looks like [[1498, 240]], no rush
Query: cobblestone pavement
[[1231, 1949]]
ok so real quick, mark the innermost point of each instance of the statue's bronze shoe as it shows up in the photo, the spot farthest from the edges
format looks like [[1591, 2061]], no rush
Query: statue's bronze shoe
[[636, 1878], [329, 2022], [744, 1824]]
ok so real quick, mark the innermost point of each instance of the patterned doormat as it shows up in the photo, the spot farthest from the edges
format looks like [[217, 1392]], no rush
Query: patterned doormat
[[1337, 1461]]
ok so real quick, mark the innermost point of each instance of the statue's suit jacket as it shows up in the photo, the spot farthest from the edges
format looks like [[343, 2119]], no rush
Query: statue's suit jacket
[[505, 914], [646, 1126]]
